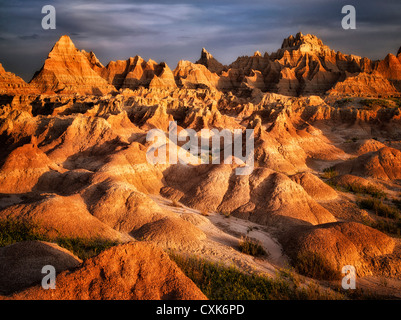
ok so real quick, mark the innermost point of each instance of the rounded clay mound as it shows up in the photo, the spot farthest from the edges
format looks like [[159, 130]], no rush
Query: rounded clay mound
[[341, 244], [170, 233], [132, 271]]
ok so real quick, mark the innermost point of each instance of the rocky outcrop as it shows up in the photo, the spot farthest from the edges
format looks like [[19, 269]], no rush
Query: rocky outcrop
[[14, 85], [136, 72], [390, 67], [68, 71], [195, 76], [210, 62]]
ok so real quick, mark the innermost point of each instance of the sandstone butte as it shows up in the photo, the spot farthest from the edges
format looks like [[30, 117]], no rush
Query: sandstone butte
[[73, 165]]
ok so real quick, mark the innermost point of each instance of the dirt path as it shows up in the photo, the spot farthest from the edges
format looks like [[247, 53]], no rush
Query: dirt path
[[223, 235]]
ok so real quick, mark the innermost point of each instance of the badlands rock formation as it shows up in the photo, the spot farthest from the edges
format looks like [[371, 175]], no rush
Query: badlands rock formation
[[133, 271], [12, 84], [302, 66], [67, 70], [210, 62], [74, 165]]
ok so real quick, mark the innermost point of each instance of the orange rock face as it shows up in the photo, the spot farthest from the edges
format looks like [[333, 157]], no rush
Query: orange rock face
[[12, 84], [67, 70], [136, 72]]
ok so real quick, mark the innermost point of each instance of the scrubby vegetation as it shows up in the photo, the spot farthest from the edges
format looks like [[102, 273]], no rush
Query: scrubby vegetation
[[343, 102], [226, 214], [219, 282], [374, 103], [251, 247], [392, 228], [329, 173], [380, 208], [316, 266], [176, 204], [12, 231], [358, 188]]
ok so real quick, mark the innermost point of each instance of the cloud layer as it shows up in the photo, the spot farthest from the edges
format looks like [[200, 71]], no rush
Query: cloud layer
[[173, 30]]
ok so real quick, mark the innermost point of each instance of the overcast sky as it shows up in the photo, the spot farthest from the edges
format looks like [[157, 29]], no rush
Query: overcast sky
[[173, 30]]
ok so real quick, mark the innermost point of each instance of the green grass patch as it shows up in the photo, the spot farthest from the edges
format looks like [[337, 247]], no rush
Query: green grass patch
[[343, 102], [397, 101], [329, 173], [12, 231], [226, 214], [219, 282], [358, 188], [392, 228], [314, 265], [85, 248], [251, 247], [375, 104], [379, 208]]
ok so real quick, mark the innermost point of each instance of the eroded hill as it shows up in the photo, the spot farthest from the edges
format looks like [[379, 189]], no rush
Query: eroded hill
[[324, 188]]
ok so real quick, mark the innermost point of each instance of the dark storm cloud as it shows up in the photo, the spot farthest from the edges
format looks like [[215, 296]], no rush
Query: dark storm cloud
[[173, 30]]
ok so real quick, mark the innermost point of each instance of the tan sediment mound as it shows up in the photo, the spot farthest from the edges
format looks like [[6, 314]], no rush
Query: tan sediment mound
[[21, 263], [369, 145], [315, 187], [286, 201], [195, 219], [58, 216], [341, 243], [384, 164], [264, 196], [92, 135], [120, 206], [133, 271], [123, 127], [172, 233], [131, 166], [68, 71], [23, 169], [156, 118]]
